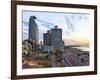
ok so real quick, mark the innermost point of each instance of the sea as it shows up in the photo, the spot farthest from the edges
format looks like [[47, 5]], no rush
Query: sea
[[82, 48]]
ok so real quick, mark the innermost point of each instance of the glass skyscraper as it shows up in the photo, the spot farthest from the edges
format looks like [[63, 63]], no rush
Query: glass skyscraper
[[34, 32]]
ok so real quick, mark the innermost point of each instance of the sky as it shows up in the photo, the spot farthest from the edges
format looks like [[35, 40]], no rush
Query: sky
[[75, 26]]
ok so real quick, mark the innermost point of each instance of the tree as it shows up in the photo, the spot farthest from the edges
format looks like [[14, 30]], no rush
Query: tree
[[58, 52], [58, 57]]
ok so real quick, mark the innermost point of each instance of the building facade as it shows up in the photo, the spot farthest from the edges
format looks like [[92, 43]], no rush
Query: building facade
[[47, 38], [53, 40], [47, 42], [56, 38], [34, 32]]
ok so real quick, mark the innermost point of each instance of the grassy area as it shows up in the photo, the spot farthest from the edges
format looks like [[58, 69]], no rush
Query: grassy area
[[47, 65], [43, 60]]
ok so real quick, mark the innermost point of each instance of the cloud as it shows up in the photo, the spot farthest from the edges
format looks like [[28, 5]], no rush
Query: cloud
[[70, 24], [71, 42], [24, 36], [25, 23], [25, 29]]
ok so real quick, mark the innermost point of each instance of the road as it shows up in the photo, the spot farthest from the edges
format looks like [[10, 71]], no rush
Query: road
[[66, 61], [69, 58], [53, 61]]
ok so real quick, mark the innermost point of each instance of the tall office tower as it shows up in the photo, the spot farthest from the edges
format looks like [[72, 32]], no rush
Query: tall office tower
[[34, 32], [56, 38], [47, 38]]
